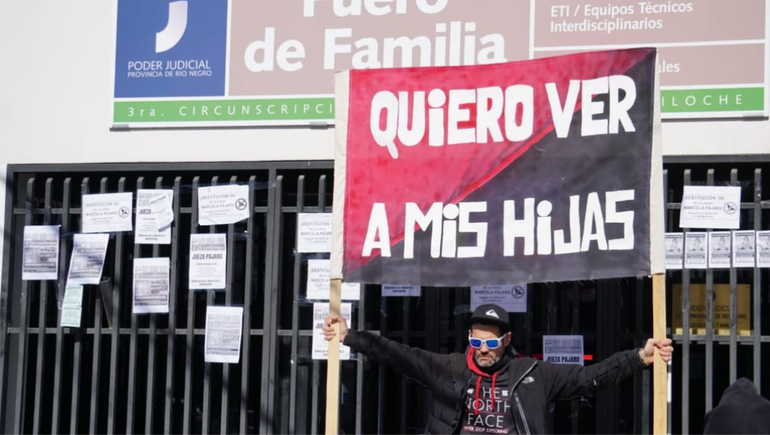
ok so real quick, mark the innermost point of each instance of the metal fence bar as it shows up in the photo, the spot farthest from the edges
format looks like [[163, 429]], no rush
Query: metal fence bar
[[5, 296], [267, 382], [316, 397], [686, 332], [430, 302], [551, 309], [575, 330], [25, 302], [149, 408], [551, 328], [646, 394], [295, 315], [174, 289], [360, 363], [131, 402], [381, 385], [602, 318], [247, 289], [97, 348], [322, 194], [63, 262], [42, 322], [459, 298], [210, 298], [709, 320], [75, 398], [528, 322], [275, 299], [190, 337], [734, 302], [95, 366], [430, 338], [317, 364], [405, 327], [641, 393], [117, 286], [757, 290], [228, 302]]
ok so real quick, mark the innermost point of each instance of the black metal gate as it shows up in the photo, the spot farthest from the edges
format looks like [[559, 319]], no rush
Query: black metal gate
[[124, 373], [707, 363]]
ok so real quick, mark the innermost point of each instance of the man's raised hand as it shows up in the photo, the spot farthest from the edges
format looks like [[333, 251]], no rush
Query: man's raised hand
[[664, 350], [328, 327]]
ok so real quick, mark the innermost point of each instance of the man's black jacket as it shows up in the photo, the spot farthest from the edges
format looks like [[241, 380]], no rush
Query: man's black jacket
[[533, 384]]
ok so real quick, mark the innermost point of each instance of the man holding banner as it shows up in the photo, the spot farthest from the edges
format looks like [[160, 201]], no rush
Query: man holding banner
[[488, 389], [535, 171]]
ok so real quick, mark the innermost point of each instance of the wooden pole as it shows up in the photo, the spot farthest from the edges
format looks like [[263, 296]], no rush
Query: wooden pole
[[660, 372], [333, 363]]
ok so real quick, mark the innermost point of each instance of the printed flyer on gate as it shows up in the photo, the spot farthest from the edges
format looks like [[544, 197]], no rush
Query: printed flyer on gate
[[271, 62]]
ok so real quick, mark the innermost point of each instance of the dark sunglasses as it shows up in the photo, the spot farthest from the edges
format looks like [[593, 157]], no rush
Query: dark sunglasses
[[492, 343]]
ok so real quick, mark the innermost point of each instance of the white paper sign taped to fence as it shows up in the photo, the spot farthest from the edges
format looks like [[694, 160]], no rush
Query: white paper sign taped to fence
[[87, 262], [320, 345], [72, 306], [40, 257], [318, 283], [695, 250], [224, 326], [511, 297], [674, 243], [563, 349], [391, 290], [711, 207], [161, 208], [220, 205], [744, 252], [151, 286], [107, 212], [314, 232], [149, 216], [720, 255], [763, 248], [208, 260]]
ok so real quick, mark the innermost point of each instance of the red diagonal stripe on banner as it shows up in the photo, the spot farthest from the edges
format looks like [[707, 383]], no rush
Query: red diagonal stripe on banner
[[447, 174], [475, 186]]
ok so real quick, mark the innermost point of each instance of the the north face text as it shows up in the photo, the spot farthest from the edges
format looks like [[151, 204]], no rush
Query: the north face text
[[494, 416]]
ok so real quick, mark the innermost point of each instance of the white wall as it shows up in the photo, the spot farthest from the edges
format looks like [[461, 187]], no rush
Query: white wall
[[716, 138], [55, 99]]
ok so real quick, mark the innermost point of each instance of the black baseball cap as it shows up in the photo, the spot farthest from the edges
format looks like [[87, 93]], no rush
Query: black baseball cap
[[491, 314]]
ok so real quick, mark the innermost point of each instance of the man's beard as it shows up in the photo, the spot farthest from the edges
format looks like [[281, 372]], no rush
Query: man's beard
[[491, 359]]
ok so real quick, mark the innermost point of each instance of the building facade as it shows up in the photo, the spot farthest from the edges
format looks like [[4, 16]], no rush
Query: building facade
[[71, 122]]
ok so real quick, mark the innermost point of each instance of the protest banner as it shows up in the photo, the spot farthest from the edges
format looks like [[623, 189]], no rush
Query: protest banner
[[518, 172]]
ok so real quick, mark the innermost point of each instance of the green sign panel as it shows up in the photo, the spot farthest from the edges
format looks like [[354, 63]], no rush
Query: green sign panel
[[712, 100], [219, 110]]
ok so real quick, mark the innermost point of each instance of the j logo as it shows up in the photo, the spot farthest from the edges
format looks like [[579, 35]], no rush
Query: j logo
[[167, 38]]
